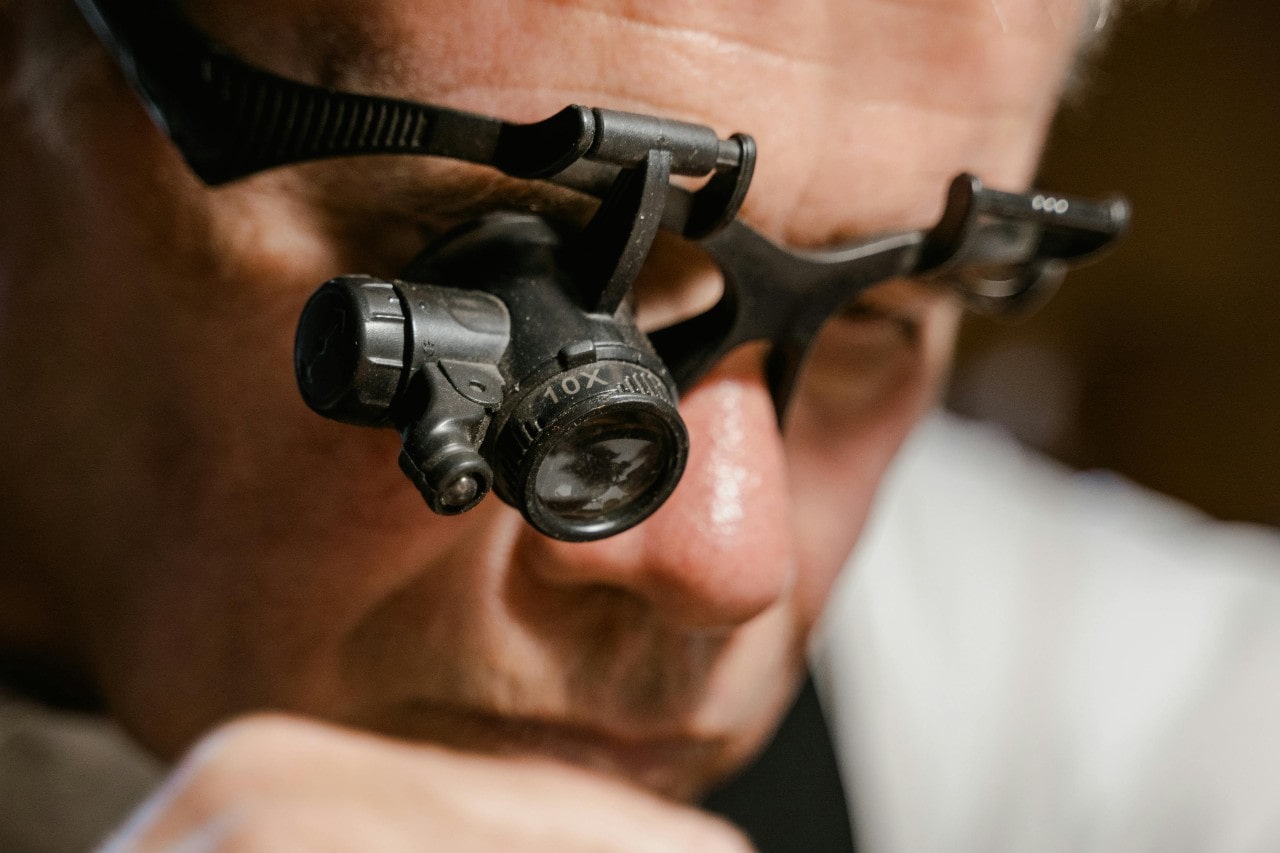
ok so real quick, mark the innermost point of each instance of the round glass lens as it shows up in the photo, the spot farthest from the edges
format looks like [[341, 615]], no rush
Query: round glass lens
[[601, 466]]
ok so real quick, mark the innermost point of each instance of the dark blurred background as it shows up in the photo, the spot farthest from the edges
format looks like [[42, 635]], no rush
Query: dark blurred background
[[1163, 361]]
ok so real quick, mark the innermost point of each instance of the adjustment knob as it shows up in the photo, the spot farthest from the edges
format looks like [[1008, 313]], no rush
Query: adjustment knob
[[349, 354]]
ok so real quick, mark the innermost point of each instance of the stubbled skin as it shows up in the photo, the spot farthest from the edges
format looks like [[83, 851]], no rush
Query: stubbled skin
[[184, 534]]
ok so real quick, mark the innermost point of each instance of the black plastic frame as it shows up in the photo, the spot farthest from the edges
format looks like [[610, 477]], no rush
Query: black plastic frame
[[1001, 251]]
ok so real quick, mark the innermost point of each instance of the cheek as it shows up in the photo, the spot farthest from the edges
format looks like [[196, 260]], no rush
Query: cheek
[[841, 436], [165, 455]]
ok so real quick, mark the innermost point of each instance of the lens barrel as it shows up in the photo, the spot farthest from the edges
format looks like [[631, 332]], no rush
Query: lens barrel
[[496, 374], [592, 450]]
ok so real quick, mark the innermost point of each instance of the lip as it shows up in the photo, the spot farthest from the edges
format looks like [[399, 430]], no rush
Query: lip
[[661, 760]]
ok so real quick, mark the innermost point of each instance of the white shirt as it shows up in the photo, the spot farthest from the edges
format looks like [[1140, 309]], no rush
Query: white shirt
[[1019, 658]]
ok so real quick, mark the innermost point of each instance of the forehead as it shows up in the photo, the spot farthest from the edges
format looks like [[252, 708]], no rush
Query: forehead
[[482, 37], [891, 96]]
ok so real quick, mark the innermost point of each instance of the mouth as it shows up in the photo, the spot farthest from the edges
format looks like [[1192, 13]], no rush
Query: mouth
[[676, 765]]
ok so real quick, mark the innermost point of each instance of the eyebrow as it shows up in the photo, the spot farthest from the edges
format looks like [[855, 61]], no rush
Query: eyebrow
[[447, 190]]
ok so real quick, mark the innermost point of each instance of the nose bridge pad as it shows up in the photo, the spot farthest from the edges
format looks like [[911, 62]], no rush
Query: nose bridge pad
[[678, 280], [691, 347], [694, 346], [778, 296], [784, 361]]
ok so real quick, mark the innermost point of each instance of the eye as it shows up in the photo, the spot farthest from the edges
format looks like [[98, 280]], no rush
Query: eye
[[861, 321], [865, 352]]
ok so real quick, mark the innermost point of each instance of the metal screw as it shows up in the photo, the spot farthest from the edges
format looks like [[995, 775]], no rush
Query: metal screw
[[460, 492]]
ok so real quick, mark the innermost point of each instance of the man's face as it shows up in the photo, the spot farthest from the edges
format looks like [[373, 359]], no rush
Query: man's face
[[197, 541]]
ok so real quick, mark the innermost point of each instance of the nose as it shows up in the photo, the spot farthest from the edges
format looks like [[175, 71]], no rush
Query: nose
[[718, 552]]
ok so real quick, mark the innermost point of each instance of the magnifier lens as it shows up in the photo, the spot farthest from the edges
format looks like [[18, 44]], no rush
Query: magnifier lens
[[601, 466], [605, 473]]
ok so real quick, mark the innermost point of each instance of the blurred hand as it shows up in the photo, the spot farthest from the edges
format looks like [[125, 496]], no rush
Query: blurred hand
[[268, 783]]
